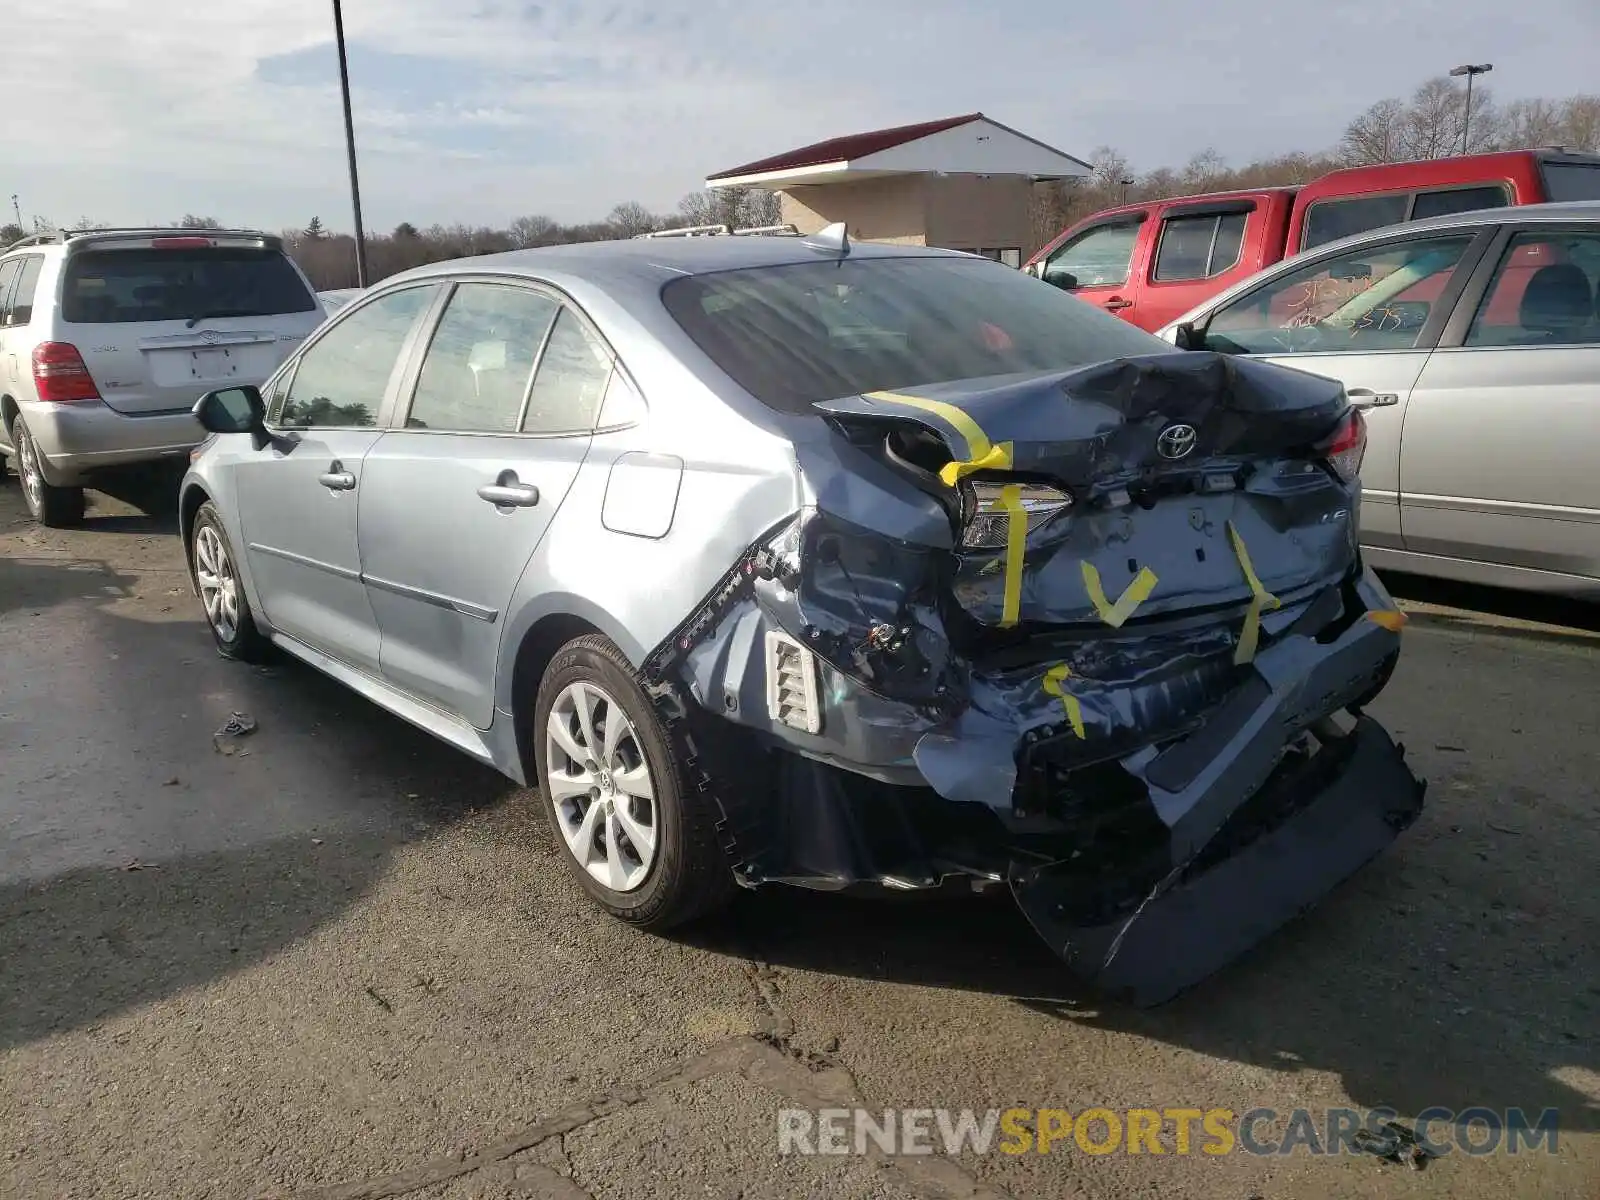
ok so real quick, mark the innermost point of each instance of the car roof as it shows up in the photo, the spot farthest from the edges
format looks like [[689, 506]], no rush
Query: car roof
[[653, 260]]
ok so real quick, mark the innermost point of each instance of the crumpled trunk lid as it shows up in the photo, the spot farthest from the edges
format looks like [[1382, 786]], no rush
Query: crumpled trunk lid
[[1190, 478]]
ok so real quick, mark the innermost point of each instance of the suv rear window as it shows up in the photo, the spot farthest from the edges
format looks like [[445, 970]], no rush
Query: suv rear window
[[1572, 181], [794, 334], [121, 286]]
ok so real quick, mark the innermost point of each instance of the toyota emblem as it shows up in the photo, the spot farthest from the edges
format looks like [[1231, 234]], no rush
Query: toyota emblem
[[1175, 441]]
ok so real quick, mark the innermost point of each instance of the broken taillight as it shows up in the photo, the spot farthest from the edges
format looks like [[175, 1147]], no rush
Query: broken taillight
[[987, 521], [1348, 445]]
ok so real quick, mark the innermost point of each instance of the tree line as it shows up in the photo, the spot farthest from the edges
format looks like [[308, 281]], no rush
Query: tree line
[[1432, 123]]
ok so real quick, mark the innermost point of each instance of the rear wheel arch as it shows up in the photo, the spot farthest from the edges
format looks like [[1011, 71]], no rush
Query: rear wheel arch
[[8, 413], [538, 646]]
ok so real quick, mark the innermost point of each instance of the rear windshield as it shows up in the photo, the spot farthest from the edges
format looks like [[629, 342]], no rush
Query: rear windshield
[[795, 334], [119, 286], [1572, 181]]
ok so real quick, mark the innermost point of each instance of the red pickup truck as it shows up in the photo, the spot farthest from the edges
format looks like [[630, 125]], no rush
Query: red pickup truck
[[1152, 262]]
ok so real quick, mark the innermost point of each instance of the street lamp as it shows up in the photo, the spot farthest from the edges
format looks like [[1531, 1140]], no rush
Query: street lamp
[[1470, 70], [1126, 184], [350, 147]]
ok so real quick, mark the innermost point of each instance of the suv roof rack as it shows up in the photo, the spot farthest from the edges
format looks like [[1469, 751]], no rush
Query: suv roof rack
[[63, 236], [785, 230]]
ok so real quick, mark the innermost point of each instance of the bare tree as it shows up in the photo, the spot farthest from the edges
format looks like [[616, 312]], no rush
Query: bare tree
[[527, 232], [1376, 135], [1580, 123], [761, 207], [1204, 171], [700, 208], [631, 219], [190, 221]]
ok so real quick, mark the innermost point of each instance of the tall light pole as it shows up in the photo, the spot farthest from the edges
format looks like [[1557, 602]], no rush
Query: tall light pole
[[350, 147], [1471, 71], [1125, 184]]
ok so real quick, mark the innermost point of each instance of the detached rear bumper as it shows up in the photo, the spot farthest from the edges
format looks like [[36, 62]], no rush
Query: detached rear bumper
[[1314, 825]]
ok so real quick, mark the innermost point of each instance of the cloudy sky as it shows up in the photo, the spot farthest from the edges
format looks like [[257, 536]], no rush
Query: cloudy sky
[[483, 110]]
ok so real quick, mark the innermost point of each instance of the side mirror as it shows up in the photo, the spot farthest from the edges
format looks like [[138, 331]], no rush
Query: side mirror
[[232, 410], [1188, 337], [1065, 280]]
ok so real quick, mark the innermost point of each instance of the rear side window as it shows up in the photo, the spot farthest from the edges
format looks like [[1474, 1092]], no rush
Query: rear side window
[[27, 284], [1329, 220], [122, 286], [8, 278], [1546, 292], [1198, 247], [794, 334], [572, 379], [1572, 181], [1458, 200]]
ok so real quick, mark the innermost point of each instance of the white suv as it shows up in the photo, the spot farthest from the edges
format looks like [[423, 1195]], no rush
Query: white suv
[[108, 337]]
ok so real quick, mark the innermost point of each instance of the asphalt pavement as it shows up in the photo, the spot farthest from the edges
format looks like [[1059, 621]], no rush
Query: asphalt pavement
[[334, 958]]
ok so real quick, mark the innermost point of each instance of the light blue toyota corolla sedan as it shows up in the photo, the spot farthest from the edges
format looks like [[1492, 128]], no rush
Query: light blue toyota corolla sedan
[[796, 560]]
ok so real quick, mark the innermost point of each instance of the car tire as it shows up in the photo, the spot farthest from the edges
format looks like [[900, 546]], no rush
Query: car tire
[[677, 870], [51, 506], [216, 578]]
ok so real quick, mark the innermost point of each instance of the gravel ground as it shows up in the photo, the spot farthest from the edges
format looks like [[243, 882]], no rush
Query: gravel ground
[[343, 961]]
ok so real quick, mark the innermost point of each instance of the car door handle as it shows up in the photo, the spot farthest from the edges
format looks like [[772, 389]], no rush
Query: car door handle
[[337, 479], [1117, 302], [1367, 398], [509, 495]]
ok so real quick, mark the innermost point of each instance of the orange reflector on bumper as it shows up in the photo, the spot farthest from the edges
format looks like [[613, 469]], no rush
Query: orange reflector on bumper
[[1391, 619]]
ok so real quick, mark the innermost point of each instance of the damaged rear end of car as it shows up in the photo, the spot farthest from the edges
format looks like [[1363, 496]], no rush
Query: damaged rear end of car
[[1100, 635]]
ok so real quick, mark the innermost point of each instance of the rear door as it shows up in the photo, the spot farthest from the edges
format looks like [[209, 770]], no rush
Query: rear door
[[1367, 317], [298, 495], [455, 501], [1498, 461], [161, 321], [10, 348], [1199, 251], [1097, 264]]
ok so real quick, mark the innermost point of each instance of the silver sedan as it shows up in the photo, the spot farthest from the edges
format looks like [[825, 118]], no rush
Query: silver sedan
[[1473, 343], [789, 560]]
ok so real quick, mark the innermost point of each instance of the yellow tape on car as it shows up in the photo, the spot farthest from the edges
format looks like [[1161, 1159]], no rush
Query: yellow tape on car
[[1135, 594], [1016, 545], [1052, 684], [1260, 599], [982, 455]]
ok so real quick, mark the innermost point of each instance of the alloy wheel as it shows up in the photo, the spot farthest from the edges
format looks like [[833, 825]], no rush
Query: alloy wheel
[[32, 476], [598, 780], [219, 586]]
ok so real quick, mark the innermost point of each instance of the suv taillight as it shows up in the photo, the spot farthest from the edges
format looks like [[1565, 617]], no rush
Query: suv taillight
[[60, 375], [1348, 446]]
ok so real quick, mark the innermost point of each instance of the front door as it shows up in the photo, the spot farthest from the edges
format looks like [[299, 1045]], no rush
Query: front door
[[1097, 265], [1498, 463], [1367, 319], [455, 502], [298, 496]]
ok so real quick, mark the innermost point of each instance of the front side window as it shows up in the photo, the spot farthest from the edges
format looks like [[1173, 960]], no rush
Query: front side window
[[572, 379], [1095, 258], [795, 334], [340, 380], [121, 286], [1199, 247], [1378, 298], [1329, 220], [1543, 293], [480, 360]]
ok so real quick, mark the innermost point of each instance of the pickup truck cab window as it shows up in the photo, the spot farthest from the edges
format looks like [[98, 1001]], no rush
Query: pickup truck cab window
[[1199, 246], [1098, 257]]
